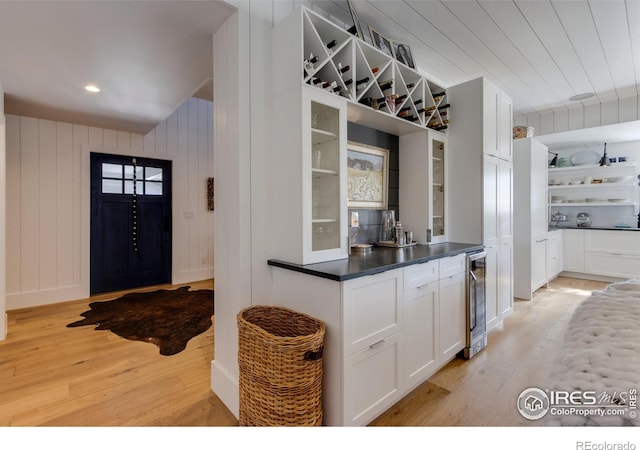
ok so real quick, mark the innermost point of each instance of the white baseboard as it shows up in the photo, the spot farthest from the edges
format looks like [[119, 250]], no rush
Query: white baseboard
[[226, 388], [592, 277], [3, 327], [192, 276], [45, 297]]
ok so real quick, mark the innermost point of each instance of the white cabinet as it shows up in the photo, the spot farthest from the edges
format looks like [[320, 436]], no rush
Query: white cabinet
[[451, 316], [602, 253], [554, 254], [372, 345], [372, 381], [422, 194], [612, 253], [420, 326], [538, 268], [573, 250], [434, 316], [530, 216], [309, 178], [480, 187], [372, 309]]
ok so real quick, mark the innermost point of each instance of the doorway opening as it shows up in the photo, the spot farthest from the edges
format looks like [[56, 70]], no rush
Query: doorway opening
[[130, 242]]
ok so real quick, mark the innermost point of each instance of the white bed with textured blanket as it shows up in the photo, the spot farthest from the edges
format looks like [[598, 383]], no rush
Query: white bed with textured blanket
[[601, 353]]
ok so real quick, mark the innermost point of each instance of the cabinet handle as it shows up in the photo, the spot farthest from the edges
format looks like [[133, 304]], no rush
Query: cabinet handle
[[422, 286], [377, 344], [540, 240]]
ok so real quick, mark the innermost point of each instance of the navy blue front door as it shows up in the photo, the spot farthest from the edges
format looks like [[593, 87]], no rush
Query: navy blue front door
[[130, 222]]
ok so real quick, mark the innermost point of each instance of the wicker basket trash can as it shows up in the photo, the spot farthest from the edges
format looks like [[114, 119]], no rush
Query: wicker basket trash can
[[280, 367]]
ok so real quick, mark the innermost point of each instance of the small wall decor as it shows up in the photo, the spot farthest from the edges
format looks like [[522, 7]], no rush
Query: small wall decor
[[381, 42], [210, 194], [367, 176], [404, 55]]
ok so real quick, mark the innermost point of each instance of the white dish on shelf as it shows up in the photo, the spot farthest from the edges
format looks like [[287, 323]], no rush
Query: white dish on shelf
[[618, 200], [573, 183], [619, 179], [584, 157], [595, 200]]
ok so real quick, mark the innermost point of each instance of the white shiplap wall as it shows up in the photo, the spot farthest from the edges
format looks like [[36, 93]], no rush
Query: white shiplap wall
[[580, 117], [47, 194]]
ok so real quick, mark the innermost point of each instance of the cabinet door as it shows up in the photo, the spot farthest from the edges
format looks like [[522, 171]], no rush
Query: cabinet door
[[573, 250], [505, 201], [324, 183], [554, 254], [490, 223], [372, 309], [452, 316], [372, 381], [505, 279], [505, 127], [538, 263], [420, 332], [490, 125], [612, 264], [491, 287]]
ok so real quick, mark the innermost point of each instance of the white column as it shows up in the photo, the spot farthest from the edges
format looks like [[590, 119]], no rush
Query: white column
[[242, 147], [3, 221]]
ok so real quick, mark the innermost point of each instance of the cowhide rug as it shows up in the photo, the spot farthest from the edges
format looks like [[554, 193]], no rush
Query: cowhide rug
[[167, 318]]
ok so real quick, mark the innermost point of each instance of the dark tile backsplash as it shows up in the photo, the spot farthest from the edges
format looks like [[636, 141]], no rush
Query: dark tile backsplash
[[370, 219]]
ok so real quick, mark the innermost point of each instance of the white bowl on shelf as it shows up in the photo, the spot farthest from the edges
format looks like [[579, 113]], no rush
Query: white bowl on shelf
[[619, 179]]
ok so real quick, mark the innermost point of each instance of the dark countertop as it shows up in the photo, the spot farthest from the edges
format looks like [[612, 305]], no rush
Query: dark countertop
[[380, 259], [553, 228]]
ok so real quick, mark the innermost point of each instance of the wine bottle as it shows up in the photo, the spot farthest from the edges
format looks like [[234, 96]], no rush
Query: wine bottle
[[360, 83], [439, 94], [410, 86], [429, 109], [410, 118], [348, 82], [417, 102], [400, 99], [316, 81], [404, 111], [329, 84], [440, 128], [343, 69], [444, 106], [337, 89], [375, 69], [331, 44], [386, 85]]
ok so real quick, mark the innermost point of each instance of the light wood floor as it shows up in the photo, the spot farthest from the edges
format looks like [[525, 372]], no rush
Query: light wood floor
[[51, 375]]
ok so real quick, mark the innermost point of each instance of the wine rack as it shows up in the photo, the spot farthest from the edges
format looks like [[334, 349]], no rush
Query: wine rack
[[338, 62]]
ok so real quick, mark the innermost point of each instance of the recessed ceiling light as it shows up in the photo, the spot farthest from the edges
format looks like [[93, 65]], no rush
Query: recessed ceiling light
[[92, 88], [584, 96]]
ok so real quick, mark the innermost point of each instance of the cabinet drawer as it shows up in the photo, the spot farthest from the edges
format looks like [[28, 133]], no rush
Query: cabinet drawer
[[372, 381], [612, 265], [452, 265], [601, 241], [420, 274], [372, 309]]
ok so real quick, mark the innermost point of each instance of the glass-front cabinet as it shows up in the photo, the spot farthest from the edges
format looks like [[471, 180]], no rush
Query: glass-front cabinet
[[438, 189], [325, 177], [423, 194], [324, 227]]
